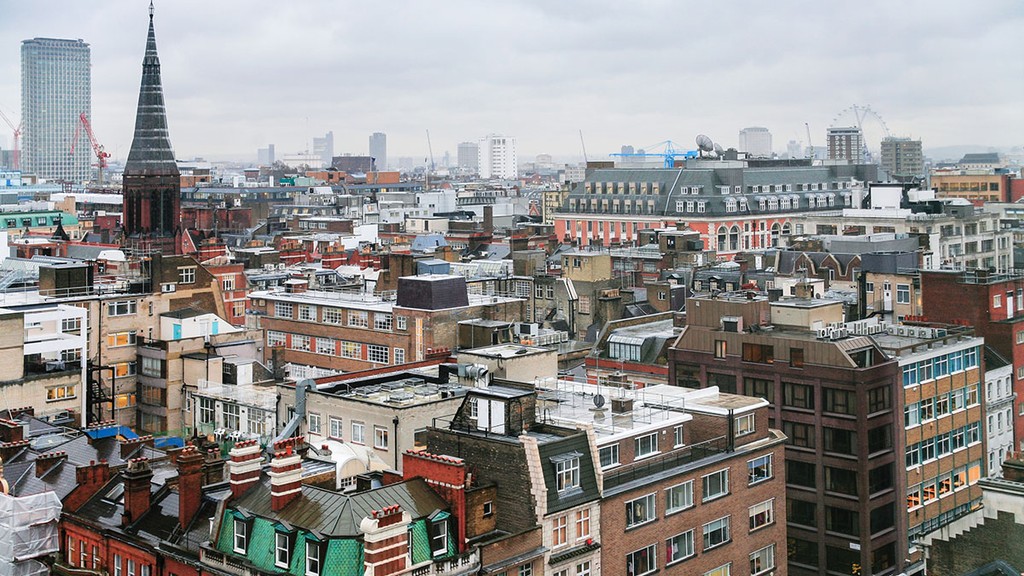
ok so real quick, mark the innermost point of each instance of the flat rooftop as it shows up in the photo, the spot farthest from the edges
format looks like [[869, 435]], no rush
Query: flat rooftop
[[504, 351]]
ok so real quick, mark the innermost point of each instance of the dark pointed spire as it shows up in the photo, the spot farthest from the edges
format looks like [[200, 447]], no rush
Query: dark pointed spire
[[151, 151]]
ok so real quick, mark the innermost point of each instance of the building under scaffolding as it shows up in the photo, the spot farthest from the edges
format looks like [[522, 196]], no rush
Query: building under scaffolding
[[28, 533]]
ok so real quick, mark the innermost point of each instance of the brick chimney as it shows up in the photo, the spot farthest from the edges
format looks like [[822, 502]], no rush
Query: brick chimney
[[137, 478], [46, 462], [285, 474], [244, 466], [130, 445], [11, 431], [213, 467], [88, 479], [1013, 467], [386, 541], [9, 449], [448, 477], [190, 484]]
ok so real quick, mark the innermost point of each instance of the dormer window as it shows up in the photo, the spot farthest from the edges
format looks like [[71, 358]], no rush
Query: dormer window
[[284, 545], [241, 536], [314, 560], [439, 534], [567, 472]]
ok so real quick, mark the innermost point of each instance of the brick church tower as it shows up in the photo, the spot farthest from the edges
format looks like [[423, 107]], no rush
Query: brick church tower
[[152, 187]]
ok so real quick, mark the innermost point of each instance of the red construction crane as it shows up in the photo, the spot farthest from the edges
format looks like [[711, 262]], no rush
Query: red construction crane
[[17, 134], [97, 148]]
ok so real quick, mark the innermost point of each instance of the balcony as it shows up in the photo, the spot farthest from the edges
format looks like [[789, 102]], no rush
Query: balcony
[[461, 565]]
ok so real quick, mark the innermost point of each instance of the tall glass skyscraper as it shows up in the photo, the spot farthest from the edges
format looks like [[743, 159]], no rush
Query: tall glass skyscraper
[[56, 88], [379, 150]]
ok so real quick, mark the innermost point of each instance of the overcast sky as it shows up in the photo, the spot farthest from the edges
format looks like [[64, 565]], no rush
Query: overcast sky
[[239, 74]]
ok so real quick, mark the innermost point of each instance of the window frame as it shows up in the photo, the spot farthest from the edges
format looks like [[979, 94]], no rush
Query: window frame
[[724, 525], [641, 510], [684, 488], [706, 494]]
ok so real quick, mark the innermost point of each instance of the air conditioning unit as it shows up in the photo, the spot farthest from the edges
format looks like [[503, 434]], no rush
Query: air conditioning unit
[[823, 333]]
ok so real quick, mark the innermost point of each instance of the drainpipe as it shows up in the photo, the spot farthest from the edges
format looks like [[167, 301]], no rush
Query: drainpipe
[[730, 442], [394, 442]]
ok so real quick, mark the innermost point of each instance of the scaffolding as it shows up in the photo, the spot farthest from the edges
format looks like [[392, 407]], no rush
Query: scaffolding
[[28, 533]]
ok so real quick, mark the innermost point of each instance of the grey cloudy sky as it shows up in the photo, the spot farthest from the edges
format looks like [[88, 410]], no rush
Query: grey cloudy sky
[[239, 74]]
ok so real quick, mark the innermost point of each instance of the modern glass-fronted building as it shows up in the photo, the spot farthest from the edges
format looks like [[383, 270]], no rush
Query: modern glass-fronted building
[[56, 88]]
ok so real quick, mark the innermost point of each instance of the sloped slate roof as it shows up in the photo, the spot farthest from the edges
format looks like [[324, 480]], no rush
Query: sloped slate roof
[[338, 514]]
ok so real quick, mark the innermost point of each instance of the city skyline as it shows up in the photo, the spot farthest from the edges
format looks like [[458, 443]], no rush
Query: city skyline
[[541, 73]]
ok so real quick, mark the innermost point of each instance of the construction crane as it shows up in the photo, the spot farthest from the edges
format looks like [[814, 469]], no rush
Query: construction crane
[[16, 161], [669, 155], [97, 148]]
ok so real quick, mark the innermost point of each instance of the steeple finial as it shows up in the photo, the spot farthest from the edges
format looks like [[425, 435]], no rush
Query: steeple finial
[[150, 9]]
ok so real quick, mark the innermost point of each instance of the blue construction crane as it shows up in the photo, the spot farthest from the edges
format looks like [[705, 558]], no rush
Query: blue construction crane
[[670, 153]]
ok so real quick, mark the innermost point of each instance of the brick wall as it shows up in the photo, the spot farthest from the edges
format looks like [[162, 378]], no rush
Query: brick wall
[[979, 546], [618, 541]]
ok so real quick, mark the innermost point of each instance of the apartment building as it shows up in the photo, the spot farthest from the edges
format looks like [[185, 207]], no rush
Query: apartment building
[[952, 234], [836, 398], [542, 475], [43, 349], [356, 330], [734, 205], [943, 418], [680, 471], [999, 398], [190, 352], [375, 417], [993, 303]]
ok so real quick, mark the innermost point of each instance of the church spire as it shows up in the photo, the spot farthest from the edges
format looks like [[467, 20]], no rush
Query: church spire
[[151, 151]]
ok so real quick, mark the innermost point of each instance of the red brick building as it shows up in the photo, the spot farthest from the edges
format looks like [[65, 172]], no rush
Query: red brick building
[[358, 330], [992, 303]]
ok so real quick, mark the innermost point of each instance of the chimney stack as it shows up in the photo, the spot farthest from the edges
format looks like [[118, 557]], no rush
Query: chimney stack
[[448, 476], [11, 431], [285, 474], [88, 479], [244, 466], [130, 445], [386, 541], [190, 484], [213, 467], [46, 462], [137, 479]]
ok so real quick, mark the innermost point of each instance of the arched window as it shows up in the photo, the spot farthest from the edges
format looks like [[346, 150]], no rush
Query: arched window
[[722, 233], [734, 238], [786, 229], [776, 229]]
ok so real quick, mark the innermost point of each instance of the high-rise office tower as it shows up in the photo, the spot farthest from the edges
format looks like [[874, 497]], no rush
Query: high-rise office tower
[[846, 143], [265, 156], [497, 157], [324, 148], [902, 157], [379, 150], [152, 186], [468, 156], [794, 149], [56, 88], [756, 142]]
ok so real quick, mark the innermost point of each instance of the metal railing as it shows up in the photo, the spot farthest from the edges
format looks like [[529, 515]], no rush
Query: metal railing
[[672, 460]]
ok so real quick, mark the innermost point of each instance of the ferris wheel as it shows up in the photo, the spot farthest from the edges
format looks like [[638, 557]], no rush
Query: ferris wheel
[[871, 124]]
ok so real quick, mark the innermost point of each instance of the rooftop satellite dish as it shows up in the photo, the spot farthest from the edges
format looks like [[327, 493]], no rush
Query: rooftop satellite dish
[[598, 401], [705, 143], [718, 149]]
